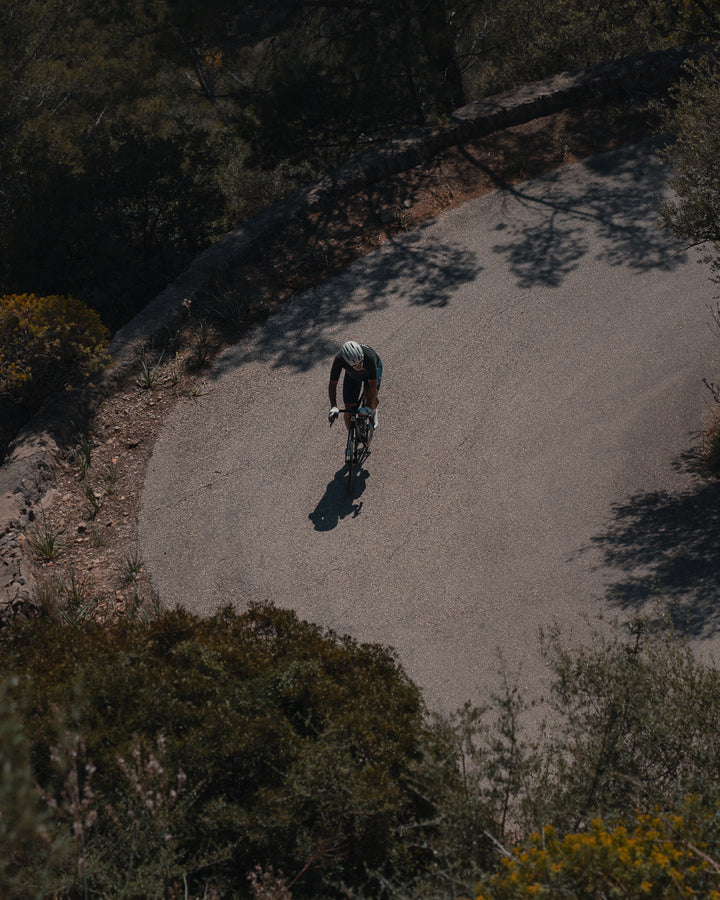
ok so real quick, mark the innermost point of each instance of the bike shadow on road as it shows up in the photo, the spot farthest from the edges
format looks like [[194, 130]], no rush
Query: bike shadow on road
[[662, 552], [336, 504]]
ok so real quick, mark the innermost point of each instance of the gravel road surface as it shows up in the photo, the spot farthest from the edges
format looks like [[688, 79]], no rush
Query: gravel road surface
[[544, 349]]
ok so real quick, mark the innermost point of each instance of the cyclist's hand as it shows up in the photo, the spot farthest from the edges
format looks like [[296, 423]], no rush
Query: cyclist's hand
[[365, 411], [333, 414]]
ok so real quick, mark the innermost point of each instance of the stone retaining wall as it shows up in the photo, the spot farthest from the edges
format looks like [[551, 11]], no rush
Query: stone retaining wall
[[27, 476]]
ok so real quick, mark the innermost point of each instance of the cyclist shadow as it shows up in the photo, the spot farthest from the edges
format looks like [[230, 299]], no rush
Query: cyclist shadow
[[336, 504]]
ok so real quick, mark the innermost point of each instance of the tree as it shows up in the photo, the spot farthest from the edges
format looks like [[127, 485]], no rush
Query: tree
[[134, 133], [693, 121], [109, 177], [339, 74]]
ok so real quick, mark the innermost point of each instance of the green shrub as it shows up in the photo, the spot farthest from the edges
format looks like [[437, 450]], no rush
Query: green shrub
[[23, 818], [46, 342], [294, 748], [638, 726], [629, 738], [239, 754]]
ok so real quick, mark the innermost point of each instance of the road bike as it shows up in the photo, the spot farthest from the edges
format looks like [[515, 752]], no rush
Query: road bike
[[360, 434]]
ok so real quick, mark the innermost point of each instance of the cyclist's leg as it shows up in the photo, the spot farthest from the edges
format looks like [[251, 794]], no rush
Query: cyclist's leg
[[351, 395], [379, 379], [366, 382]]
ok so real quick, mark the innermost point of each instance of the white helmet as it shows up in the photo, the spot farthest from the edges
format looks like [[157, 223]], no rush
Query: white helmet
[[352, 353]]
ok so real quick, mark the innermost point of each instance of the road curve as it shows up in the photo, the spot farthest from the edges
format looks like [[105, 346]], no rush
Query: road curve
[[544, 349]]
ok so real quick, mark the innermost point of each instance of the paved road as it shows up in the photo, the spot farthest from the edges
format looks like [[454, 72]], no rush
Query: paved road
[[544, 350]]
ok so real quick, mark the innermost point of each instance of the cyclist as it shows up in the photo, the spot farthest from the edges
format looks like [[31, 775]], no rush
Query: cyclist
[[362, 367]]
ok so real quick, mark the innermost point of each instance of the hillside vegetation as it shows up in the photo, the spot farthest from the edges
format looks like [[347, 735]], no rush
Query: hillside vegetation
[[255, 755], [134, 133]]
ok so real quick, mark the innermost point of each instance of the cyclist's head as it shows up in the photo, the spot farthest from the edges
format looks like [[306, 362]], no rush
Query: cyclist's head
[[352, 353]]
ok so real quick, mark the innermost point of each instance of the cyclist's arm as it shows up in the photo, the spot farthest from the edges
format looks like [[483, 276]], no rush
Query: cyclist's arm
[[371, 394], [332, 392]]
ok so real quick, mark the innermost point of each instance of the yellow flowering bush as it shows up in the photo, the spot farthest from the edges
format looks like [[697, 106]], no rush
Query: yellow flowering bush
[[656, 856], [46, 342]]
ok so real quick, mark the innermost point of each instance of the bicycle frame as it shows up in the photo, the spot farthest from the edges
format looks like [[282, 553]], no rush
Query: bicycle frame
[[360, 434]]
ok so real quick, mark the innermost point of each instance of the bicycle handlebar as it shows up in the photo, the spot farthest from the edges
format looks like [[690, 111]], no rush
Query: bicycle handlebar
[[357, 411]]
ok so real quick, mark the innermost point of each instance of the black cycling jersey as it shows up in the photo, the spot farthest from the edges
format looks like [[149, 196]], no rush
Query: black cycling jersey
[[369, 371]]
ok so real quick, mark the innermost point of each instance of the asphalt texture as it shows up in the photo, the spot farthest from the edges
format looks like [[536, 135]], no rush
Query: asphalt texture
[[544, 349]]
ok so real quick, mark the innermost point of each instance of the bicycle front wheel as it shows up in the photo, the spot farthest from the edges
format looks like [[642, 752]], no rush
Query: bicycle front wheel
[[350, 457]]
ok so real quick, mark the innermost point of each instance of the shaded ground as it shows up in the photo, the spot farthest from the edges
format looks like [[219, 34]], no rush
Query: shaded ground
[[663, 546], [310, 251]]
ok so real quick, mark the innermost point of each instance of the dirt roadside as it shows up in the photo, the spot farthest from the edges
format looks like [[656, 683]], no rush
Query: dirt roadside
[[85, 540]]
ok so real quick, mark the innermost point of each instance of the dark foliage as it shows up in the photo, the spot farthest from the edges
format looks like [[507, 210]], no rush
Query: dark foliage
[[296, 745], [128, 129]]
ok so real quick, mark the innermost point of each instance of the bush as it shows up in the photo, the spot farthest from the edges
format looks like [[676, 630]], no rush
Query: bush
[[256, 754], [24, 819], [46, 342], [252, 740], [691, 117], [654, 856], [631, 734]]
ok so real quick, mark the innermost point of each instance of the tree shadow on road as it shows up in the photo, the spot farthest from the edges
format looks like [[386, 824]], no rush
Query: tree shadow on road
[[665, 550], [561, 222], [336, 504], [615, 218], [413, 268]]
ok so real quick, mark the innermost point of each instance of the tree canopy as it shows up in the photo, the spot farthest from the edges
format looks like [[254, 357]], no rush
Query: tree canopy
[[692, 119], [257, 740], [132, 134]]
